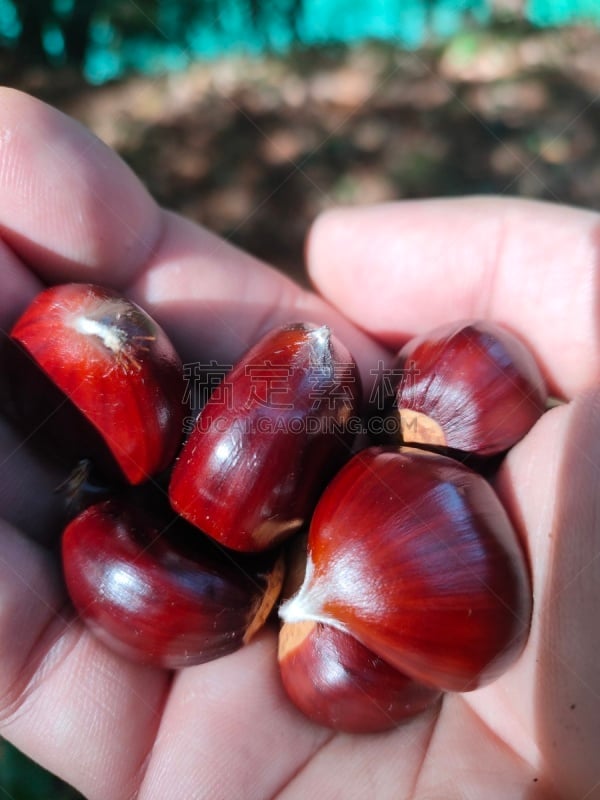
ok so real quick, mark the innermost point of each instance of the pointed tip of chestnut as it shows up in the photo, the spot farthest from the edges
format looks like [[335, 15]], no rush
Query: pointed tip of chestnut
[[470, 386], [413, 554], [321, 335]]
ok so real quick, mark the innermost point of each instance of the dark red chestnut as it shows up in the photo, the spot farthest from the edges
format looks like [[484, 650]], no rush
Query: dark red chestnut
[[267, 442], [337, 682], [470, 386], [161, 596], [113, 366], [413, 554]]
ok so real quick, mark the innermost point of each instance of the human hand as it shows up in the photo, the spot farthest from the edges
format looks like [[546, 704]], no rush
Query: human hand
[[70, 210]]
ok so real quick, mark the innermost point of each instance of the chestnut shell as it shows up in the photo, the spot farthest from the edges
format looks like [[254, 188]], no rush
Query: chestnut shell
[[413, 554], [119, 382], [162, 595], [470, 386], [254, 466]]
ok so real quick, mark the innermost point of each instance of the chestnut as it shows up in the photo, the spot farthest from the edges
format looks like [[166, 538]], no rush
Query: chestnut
[[471, 386], [337, 682], [101, 378], [413, 554], [267, 442], [332, 678], [159, 595]]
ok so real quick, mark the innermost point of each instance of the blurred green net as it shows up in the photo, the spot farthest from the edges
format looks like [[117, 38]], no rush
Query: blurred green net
[[106, 39]]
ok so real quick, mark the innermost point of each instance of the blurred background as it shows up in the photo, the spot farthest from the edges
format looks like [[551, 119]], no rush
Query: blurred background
[[252, 116]]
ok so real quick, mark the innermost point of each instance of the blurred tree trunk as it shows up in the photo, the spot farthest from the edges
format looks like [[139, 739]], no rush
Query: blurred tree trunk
[[76, 31], [295, 12], [34, 15], [290, 10]]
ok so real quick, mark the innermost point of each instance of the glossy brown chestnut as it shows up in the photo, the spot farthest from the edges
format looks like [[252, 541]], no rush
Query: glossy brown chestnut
[[413, 554], [162, 596], [267, 442], [337, 682], [118, 400], [470, 386]]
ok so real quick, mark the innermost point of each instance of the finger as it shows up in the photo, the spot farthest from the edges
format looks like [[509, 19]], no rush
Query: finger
[[63, 198], [549, 702], [17, 287], [215, 300], [72, 210], [29, 498], [403, 268], [229, 731], [69, 207], [66, 701], [465, 758], [355, 766]]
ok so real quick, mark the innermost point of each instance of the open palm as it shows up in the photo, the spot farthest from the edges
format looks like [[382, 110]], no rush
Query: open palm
[[70, 210]]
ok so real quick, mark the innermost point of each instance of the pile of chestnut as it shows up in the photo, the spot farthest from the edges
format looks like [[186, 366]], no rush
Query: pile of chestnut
[[397, 571]]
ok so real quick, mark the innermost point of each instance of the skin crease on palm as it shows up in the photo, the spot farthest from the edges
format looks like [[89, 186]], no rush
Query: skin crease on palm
[[70, 210]]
